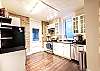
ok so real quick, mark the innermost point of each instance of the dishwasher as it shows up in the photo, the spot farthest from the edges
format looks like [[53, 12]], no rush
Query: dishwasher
[[74, 52]]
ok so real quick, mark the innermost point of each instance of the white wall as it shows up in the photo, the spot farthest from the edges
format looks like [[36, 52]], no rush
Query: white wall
[[35, 24], [15, 21], [1, 4], [92, 34]]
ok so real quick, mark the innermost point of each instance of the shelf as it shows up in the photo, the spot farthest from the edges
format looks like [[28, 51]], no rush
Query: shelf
[[5, 28], [6, 38], [7, 24], [5, 20]]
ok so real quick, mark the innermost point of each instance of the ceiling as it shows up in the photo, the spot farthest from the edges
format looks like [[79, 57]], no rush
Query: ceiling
[[38, 10]]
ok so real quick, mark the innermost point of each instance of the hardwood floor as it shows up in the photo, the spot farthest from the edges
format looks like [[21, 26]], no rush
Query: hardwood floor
[[43, 61]]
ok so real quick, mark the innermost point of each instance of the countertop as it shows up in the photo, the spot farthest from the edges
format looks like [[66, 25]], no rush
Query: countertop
[[65, 42]]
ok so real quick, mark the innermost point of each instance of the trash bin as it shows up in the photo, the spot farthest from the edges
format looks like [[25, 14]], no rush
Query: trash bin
[[82, 60]]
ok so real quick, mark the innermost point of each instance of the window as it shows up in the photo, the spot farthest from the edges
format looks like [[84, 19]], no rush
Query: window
[[68, 28]]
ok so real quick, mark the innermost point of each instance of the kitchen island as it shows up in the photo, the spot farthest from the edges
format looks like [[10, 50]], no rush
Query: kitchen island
[[12, 59]]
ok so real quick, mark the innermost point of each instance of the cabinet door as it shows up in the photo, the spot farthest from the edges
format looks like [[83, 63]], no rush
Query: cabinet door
[[56, 29], [75, 24], [82, 24], [78, 24], [66, 52], [55, 52], [45, 48], [60, 29], [55, 48], [72, 52], [58, 49]]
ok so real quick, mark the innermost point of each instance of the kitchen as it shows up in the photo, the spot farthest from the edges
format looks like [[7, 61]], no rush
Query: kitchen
[[62, 35], [55, 29], [66, 37]]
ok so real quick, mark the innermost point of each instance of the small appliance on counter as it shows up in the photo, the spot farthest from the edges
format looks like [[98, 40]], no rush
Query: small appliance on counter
[[48, 37], [54, 38], [78, 39], [78, 51], [51, 31]]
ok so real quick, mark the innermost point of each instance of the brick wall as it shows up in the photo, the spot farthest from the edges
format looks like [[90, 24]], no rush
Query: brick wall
[[25, 23]]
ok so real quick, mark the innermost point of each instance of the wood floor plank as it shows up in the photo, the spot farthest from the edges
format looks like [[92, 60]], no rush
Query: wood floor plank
[[47, 62]]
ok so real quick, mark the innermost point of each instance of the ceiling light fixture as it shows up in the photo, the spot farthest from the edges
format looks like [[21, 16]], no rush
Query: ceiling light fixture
[[49, 6], [41, 5], [53, 14], [44, 4], [34, 6], [38, 7]]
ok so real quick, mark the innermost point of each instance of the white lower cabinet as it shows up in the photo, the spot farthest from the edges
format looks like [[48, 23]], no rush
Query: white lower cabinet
[[72, 52], [62, 50], [69, 51], [45, 48], [66, 52], [57, 49]]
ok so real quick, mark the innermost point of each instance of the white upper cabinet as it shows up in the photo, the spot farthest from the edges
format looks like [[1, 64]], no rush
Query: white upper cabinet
[[57, 24], [51, 26], [79, 24]]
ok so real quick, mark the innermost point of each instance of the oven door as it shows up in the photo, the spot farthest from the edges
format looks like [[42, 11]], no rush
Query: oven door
[[6, 43], [6, 31]]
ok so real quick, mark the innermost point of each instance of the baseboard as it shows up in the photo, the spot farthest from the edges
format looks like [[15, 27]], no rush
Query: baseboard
[[32, 51], [75, 61]]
